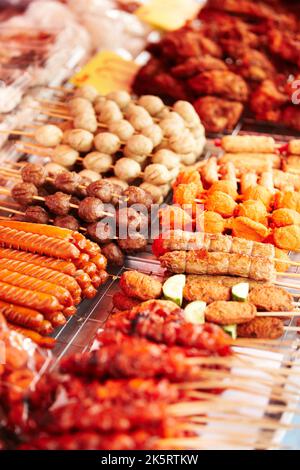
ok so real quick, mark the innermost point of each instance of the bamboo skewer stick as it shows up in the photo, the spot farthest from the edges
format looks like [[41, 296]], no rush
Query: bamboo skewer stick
[[264, 423], [39, 198]]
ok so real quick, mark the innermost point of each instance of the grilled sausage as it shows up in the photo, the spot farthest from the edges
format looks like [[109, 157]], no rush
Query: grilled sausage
[[140, 286], [26, 317], [36, 337], [32, 283], [35, 243], [28, 298], [56, 318]]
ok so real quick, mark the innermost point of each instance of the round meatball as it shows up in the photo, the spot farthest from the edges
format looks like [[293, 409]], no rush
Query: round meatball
[[156, 174], [48, 135], [80, 140], [183, 143], [171, 127], [135, 243], [98, 162], [110, 112], [127, 169], [53, 169], [187, 112], [129, 220], [86, 121], [33, 173], [113, 254], [88, 92], [153, 104], [154, 192], [90, 209], [37, 214], [79, 105], [64, 155], [24, 193], [135, 195], [122, 129], [89, 176], [139, 145], [67, 182], [101, 232], [154, 133], [167, 158], [66, 221], [102, 190], [107, 143], [122, 98], [58, 203]]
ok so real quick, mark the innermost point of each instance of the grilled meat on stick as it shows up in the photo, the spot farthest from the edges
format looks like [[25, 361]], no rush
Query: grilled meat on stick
[[203, 262], [178, 240], [163, 322]]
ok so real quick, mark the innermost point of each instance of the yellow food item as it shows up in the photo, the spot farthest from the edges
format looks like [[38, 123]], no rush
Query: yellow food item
[[221, 203], [283, 217], [243, 227], [174, 217], [185, 193], [259, 193], [254, 210], [210, 222], [281, 254], [225, 186], [287, 238], [288, 200]]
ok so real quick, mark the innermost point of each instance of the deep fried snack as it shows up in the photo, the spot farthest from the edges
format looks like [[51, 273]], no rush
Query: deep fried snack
[[259, 193], [287, 238], [287, 199], [261, 327], [213, 222], [195, 65], [221, 83], [283, 217], [229, 313], [218, 114], [185, 193], [271, 299], [266, 101], [225, 186], [243, 227], [174, 217], [248, 144], [123, 302], [205, 288], [291, 117], [221, 203], [254, 210], [140, 286], [281, 254]]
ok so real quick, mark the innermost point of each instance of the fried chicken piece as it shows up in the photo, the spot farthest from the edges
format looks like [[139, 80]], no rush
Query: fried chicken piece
[[287, 238], [261, 327], [196, 65], [228, 313], [271, 299], [249, 63], [291, 117], [283, 217], [185, 43], [266, 101], [254, 210], [208, 290], [286, 44], [220, 26], [225, 84], [243, 227], [255, 10], [140, 286], [221, 203], [218, 114]]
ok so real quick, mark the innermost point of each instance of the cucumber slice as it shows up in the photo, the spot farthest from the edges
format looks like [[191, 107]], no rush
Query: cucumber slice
[[231, 330], [194, 312], [240, 292], [173, 288]]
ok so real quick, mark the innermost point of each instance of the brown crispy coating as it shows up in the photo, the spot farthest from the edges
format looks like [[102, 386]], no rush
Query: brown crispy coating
[[218, 114], [205, 288], [139, 285], [271, 299], [261, 327], [229, 313]]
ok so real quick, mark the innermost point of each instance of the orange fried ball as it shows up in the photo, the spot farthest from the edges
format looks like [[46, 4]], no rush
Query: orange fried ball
[[185, 193], [225, 186], [288, 200], [174, 217], [259, 193], [283, 217], [254, 210], [189, 176], [213, 222], [243, 227], [221, 203], [287, 238], [281, 255]]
